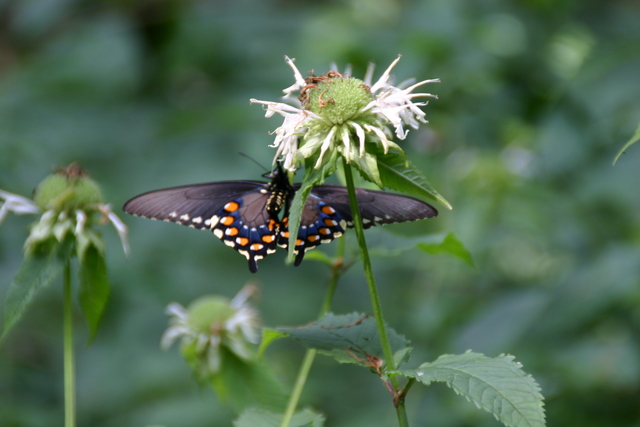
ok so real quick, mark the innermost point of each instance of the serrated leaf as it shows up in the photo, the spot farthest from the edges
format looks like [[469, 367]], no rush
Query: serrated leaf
[[268, 336], [402, 356], [94, 287], [41, 266], [402, 175], [635, 138], [345, 336], [497, 385], [258, 417], [450, 245]]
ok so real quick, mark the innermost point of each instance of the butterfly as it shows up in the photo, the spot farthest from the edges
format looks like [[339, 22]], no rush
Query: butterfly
[[245, 215]]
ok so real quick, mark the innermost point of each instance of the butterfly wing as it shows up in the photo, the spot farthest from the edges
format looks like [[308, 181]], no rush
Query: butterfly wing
[[327, 213], [235, 211]]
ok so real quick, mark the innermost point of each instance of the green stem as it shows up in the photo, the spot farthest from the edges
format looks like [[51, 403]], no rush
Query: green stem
[[310, 354], [373, 292], [69, 381]]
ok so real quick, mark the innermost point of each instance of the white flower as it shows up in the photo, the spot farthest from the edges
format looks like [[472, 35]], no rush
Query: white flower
[[211, 322], [16, 204], [334, 109], [57, 219]]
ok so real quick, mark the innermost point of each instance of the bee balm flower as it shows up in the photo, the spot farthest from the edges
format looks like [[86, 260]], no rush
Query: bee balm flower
[[336, 113]]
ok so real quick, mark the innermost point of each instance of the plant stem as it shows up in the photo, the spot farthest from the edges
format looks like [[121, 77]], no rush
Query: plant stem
[[310, 354], [69, 380], [373, 292]]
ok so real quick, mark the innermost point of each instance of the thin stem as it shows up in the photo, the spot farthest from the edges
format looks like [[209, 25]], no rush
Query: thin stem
[[301, 380], [373, 291], [310, 355], [69, 380]]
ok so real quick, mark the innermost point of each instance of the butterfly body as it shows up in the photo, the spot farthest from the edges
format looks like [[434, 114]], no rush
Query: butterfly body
[[245, 215]]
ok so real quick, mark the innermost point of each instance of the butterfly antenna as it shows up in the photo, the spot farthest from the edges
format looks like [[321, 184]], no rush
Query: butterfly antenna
[[253, 160]]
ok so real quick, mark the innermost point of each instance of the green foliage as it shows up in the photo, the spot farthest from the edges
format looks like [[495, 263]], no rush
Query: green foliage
[[94, 287], [635, 138], [400, 174], [535, 101], [39, 269], [255, 417], [242, 383], [311, 178], [348, 338], [497, 385], [449, 245]]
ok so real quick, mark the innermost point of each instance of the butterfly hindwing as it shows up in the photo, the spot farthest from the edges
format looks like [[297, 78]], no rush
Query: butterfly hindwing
[[247, 226], [327, 213], [320, 223]]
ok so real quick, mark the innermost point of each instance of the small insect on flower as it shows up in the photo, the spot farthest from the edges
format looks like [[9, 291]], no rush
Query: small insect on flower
[[336, 112]]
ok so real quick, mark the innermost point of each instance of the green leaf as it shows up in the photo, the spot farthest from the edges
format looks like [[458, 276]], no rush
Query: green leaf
[[311, 178], [497, 385], [345, 336], [243, 383], [367, 165], [268, 336], [402, 175], [635, 138], [94, 287], [449, 245], [41, 266], [257, 417]]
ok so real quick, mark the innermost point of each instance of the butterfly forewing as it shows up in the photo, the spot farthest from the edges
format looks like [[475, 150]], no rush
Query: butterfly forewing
[[190, 205], [235, 211]]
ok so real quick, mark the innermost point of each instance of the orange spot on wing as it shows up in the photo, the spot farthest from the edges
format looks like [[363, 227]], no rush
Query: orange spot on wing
[[268, 238], [231, 207], [227, 220], [328, 210]]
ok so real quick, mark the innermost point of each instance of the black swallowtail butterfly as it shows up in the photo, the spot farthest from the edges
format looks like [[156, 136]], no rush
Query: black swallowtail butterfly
[[245, 214]]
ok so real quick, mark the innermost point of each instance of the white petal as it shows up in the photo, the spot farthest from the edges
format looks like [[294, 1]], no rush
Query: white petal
[[361, 136], [300, 82], [326, 143], [384, 78]]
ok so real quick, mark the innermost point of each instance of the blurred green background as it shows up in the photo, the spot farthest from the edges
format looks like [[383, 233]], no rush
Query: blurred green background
[[536, 98]]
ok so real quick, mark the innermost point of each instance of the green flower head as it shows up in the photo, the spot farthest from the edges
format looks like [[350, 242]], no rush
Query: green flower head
[[338, 113]]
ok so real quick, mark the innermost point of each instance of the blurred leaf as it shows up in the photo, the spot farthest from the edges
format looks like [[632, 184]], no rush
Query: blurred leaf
[[40, 267], [449, 245], [269, 336], [244, 383], [256, 417], [319, 256], [345, 336], [403, 176], [635, 138], [94, 287], [497, 385]]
